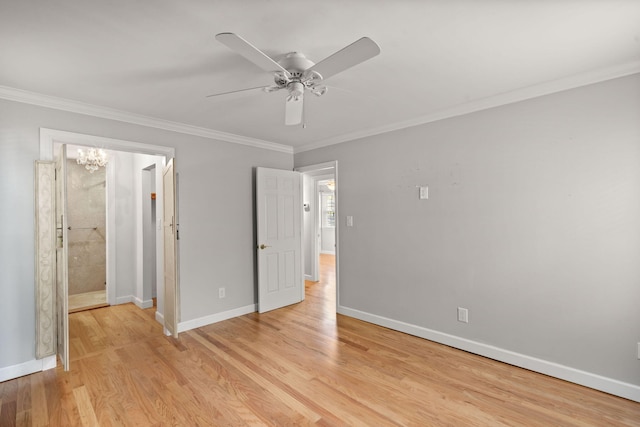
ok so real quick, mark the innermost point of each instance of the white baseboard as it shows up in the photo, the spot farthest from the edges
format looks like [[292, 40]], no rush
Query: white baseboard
[[567, 373], [159, 317], [26, 368], [143, 304], [214, 318], [124, 300]]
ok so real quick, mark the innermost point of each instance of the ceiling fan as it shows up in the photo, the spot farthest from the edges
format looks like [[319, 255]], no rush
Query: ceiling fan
[[297, 74]]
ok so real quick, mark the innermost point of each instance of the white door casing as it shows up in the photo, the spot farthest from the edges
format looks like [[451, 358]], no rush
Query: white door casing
[[322, 171], [169, 217], [62, 255], [279, 245], [46, 335]]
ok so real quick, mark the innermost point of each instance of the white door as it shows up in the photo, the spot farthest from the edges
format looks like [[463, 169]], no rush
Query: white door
[[279, 246], [62, 256], [170, 250]]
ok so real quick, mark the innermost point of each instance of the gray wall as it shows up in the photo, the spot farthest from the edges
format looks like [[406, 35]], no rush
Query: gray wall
[[532, 223], [216, 212]]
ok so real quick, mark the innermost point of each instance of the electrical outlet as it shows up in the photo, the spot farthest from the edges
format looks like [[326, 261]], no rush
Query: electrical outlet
[[221, 293], [463, 315]]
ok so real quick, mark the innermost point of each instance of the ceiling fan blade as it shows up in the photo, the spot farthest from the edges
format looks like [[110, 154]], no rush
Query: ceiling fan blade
[[236, 91], [293, 110], [357, 52], [250, 52]]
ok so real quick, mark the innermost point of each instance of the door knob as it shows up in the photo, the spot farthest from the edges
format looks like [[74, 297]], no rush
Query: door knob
[[263, 246]]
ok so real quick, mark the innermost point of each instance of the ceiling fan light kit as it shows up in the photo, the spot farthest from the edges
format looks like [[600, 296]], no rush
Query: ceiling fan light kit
[[296, 73]]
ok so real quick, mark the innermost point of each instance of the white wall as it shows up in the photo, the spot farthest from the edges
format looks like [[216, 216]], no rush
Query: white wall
[[145, 259], [532, 223], [327, 234], [129, 227], [216, 208], [125, 223], [147, 274]]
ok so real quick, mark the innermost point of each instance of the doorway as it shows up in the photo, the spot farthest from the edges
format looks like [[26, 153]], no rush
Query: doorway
[[327, 222], [320, 230], [112, 222], [124, 230], [86, 207]]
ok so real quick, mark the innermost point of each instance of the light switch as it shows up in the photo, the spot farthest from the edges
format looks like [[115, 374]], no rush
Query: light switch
[[349, 221], [424, 192]]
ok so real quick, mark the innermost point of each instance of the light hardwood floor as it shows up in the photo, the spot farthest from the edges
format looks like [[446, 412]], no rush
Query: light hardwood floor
[[301, 365]]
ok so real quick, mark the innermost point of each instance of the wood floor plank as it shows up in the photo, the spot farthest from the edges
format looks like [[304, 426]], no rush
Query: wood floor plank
[[39, 416], [8, 414], [85, 407]]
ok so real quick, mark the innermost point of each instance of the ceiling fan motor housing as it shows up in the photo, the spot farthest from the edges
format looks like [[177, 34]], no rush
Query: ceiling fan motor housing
[[296, 63]]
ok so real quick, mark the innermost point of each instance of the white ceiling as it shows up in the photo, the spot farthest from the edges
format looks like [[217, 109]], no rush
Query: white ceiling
[[159, 59]]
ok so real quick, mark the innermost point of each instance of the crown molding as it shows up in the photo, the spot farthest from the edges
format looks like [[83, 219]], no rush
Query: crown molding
[[33, 98], [534, 91]]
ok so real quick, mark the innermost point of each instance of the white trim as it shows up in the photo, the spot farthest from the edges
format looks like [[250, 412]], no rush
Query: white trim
[[316, 217], [143, 304], [217, 317], [49, 362], [534, 91], [124, 300], [567, 373], [49, 136], [33, 98], [26, 368], [317, 168], [110, 234], [337, 208]]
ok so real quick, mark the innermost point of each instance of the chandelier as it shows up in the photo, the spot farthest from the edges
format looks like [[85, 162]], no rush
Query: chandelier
[[92, 159]]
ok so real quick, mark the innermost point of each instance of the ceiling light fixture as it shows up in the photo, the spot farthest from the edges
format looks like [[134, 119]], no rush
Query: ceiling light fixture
[[92, 159]]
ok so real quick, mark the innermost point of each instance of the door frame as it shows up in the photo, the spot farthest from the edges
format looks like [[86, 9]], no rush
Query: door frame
[[62, 258], [49, 137], [320, 171]]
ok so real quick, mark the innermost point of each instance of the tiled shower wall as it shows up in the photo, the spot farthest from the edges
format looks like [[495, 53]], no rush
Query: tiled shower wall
[[87, 218]]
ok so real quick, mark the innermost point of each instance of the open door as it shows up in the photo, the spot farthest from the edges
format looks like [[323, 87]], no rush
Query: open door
[[62, 255], [170, 232], [279, 219]]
